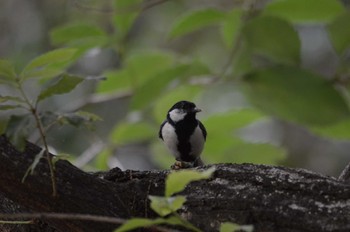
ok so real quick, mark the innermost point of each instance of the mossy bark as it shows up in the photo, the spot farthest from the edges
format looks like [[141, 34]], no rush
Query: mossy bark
[[271, 198]]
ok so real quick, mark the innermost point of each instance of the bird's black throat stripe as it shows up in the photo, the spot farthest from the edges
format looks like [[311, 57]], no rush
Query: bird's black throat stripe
[[184, 129]]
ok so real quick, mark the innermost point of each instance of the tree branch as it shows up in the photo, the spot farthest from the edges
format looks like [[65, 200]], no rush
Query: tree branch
[[269, 197]]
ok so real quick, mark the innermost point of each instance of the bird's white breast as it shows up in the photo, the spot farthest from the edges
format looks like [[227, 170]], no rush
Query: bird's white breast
[[197, 142], [170, 139]]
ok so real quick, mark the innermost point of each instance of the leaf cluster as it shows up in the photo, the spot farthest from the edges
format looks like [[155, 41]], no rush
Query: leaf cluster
[[265, 66]]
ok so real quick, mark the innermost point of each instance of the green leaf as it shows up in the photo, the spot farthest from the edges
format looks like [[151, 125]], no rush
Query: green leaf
[[160, 205], [126, 13], [125, 133], [177, 181], [231, 26], [339, 130], [9, 107], [228, 121], [101, 160], [243, 61], [217, 148], [164, 206], [176, 203], [151, 89], [11, 98], [257, 153], [144, 65], [225, 145], [273, 38], [49, 64], [309, 11], [46, 72], [229, 227], [221, 127], [7, 71], [32, 167], [76, 32], [159, 151], [81, 36], [195, 20], [79, 119], [139, 68], [64, 84], [135, 223], [233, 227], [339, 33], [117, 81], [297, 95]]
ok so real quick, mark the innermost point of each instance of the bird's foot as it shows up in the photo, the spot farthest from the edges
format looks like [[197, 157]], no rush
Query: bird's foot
[[182, 165]]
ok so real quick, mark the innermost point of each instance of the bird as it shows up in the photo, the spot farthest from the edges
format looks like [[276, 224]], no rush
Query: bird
[[184, 135]]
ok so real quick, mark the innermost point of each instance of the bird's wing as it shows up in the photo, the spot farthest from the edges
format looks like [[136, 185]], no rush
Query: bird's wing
[[204, 131], [160, 130]]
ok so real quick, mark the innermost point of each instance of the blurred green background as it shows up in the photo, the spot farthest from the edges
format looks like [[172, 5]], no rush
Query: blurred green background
[[272, 78]]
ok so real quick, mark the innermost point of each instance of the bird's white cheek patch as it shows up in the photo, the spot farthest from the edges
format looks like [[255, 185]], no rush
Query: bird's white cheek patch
[[197, 142], [170, 139], [177, 115]]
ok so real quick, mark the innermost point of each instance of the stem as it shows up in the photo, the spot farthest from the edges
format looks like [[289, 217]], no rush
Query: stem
[[71, 216], [249, 8], [231, 57], [47, 154], [16, 222], [39, 125], [64, 216]]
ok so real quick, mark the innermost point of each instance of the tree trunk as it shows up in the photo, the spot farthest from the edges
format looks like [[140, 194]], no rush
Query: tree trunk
[[269, 197]]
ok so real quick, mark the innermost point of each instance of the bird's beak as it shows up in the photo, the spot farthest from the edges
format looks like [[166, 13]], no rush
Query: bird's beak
[[196, 110]]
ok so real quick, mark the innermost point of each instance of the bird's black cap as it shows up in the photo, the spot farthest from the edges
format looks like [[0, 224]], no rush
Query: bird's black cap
[[185, 105]]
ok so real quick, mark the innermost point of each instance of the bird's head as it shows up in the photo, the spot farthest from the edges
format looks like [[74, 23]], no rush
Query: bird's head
[[182, 109]]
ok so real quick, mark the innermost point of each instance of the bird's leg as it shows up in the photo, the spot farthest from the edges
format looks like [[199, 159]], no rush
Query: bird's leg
[[182, 165], [176, 166]]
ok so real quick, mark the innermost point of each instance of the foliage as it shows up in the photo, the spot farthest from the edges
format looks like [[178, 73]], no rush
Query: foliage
[[20, 124], [263, 51], [230, 227], [256, 52], [166, 207]]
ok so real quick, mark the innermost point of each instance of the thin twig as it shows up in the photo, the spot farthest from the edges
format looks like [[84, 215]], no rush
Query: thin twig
[[63, 216], [47, 154], [34, 112], [231, 57], [249, 7], [70, 216], [16, 222]]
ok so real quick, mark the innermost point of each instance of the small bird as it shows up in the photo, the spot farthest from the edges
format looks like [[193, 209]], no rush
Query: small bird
[[184, 135]]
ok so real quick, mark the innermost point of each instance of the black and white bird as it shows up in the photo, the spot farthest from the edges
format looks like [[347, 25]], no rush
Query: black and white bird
[[184, 135]]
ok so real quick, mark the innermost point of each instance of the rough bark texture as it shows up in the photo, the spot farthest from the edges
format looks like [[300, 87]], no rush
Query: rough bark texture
[[269, 197]]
